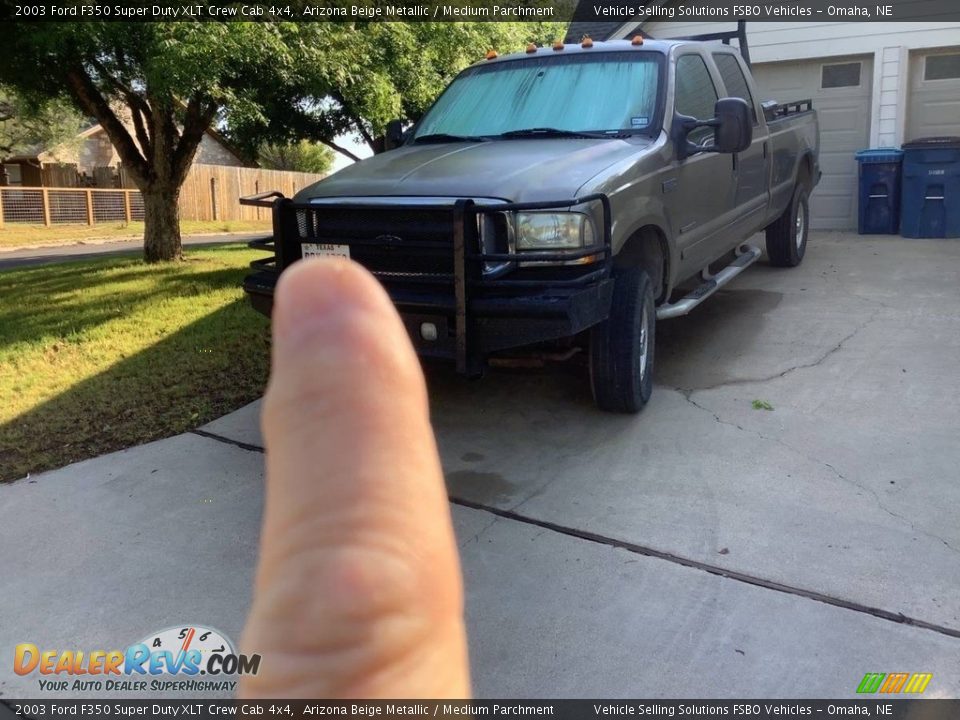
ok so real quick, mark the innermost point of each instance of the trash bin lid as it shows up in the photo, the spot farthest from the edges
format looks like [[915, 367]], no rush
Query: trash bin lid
[[933, 143], [879, 155]]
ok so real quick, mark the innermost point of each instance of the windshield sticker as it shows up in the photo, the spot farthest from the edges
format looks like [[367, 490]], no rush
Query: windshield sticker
[[639, 121]]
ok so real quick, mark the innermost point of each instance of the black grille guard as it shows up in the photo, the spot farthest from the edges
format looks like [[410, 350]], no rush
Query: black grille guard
[[468, 262]]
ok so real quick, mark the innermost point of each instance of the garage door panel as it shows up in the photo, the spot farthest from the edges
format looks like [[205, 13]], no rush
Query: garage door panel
[[934, 107], [833, 211], [837, 169], [844, 116]]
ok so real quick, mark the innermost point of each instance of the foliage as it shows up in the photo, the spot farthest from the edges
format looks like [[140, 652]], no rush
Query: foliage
[[156, 88], [262, 81], [362, 75], [26, 128], [302, 156], [761, 405]]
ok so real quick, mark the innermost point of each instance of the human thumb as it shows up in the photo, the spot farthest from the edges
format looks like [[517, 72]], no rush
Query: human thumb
[[358, 590]]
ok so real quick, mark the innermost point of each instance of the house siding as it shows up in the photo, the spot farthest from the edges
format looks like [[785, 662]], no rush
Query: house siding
[[95, 150], [889, 42]]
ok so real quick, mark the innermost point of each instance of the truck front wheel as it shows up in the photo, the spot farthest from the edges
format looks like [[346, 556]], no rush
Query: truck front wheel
[[621, 347], [787, 235]]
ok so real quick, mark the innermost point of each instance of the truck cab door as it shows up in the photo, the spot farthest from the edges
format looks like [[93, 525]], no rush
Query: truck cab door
[[750, 168], [698, 191]]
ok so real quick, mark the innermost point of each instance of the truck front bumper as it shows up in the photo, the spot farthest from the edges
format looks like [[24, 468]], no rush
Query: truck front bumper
[[463, 316], [494, 323]]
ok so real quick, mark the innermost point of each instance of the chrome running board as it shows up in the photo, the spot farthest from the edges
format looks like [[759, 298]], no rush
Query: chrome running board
[[749, 254]]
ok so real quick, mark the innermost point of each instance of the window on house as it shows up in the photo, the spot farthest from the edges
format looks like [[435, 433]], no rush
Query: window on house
[[838, 75], [941, 67], [696, 94], [734, 80]]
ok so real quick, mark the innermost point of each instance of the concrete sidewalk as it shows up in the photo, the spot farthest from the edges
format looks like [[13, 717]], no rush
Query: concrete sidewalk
[[700, 549]]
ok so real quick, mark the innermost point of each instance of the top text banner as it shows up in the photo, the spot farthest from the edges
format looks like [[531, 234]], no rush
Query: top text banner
[[601, 11]]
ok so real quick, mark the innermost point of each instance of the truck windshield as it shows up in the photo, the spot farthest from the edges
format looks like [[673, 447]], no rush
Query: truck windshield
[[605, 92]]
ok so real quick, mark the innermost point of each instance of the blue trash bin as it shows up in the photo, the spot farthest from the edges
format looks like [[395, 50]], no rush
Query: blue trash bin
[[931, 188], [879, 206]]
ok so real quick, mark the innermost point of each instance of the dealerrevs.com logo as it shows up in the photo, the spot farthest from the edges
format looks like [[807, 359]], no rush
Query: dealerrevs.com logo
[[155, 663]]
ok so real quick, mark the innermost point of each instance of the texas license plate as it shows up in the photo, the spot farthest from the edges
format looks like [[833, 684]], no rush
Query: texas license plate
[[324, 250]]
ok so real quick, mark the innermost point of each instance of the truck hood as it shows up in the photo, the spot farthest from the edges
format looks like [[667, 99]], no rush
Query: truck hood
[[527, 170]]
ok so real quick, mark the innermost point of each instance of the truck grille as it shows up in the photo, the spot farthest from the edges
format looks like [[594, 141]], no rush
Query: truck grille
[[388, 240]]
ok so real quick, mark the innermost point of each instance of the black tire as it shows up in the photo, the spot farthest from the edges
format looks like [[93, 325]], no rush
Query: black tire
[[787, 235], [622, 347]]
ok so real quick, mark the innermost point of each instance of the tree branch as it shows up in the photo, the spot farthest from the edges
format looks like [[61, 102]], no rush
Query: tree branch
[[88, 97], [196, 121], [137, 115], [341, 150]]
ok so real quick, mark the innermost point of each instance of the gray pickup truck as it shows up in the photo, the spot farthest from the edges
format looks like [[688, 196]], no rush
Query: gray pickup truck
[[565, 198]]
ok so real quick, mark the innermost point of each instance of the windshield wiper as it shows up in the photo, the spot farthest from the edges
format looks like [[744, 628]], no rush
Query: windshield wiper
[[552, 132], [445, 137]]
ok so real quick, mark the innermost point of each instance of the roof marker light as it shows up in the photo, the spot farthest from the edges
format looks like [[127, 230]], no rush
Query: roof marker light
[[491, 54], [586, 42], [558, 45], [637, 40], [531, 48]]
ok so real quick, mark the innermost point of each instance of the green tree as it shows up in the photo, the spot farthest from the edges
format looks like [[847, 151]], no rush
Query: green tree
[[25, 128], [157, 87], [302, 156], [363, 75]]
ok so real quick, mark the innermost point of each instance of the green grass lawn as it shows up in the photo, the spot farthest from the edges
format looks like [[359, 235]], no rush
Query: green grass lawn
[[14, 235], [100, 355]]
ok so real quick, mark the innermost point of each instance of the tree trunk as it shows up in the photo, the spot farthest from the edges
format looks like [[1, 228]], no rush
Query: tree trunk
[[161, 237]]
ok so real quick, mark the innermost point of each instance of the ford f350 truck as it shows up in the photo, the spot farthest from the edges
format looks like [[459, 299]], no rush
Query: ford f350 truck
[[566, 195]]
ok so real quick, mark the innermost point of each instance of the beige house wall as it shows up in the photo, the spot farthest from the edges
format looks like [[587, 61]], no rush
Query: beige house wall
[[93, 149]]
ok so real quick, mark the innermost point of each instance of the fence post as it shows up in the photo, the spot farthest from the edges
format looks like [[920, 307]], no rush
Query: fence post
[[89, 207], [213, 197], [1, 207], [45, 196], [127, 215]]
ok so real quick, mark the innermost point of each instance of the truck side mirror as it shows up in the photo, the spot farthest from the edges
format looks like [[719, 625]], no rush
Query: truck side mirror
[[393, 137], [734, 130]]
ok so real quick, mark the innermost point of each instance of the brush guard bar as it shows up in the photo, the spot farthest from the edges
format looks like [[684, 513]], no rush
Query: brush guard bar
[[467, 284]]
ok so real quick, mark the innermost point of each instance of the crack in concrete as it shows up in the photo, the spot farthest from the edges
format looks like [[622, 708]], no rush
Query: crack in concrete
[[687, 394], [481, 531], [776, 376]]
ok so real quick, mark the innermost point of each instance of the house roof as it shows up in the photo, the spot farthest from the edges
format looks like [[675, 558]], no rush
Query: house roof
[[596, 30], [583, 22], [35, 153]]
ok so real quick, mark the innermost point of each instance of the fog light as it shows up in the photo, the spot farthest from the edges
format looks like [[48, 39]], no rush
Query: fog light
[[428, 331]]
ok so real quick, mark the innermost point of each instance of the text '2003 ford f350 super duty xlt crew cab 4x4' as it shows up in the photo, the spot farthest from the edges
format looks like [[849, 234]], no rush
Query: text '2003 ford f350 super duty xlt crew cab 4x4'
[[561, 196]]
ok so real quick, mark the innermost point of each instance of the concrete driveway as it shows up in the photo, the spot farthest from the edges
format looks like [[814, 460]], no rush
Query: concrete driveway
[[703, 548]]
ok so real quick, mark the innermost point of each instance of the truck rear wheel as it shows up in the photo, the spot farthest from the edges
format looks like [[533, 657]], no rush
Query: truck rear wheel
[[787, 235], [621, 347]]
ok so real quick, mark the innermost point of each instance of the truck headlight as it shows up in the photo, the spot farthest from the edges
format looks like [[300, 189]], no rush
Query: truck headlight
[[554, 231]]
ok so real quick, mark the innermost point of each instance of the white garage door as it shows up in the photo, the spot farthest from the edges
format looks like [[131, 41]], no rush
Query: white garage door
[[840, 89], [934, 108]]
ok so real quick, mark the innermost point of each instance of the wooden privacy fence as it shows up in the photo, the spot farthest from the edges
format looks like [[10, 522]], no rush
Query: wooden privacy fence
[[210, 192]]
